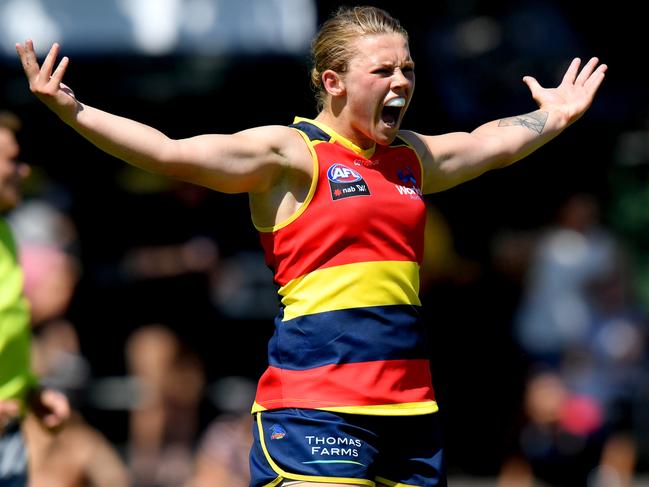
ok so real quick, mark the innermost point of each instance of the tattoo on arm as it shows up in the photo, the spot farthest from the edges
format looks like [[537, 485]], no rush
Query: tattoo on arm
[[535, 121]]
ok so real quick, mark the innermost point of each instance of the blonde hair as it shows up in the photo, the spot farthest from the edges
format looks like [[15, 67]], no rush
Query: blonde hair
[[332, 47]]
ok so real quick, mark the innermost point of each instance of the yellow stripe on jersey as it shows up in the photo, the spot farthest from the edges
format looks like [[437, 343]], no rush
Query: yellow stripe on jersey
[[357, 285], [399, 409]]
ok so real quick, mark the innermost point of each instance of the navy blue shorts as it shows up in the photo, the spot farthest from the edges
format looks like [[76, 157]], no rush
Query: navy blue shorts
[[321, 446]]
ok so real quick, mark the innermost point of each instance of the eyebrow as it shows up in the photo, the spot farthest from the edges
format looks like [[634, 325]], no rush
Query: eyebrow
[[388, 64]]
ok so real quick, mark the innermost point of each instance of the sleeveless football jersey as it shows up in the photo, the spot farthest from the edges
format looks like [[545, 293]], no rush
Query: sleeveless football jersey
[[348, 337]]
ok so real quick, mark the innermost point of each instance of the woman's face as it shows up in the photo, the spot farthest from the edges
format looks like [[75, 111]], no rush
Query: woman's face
[[378, 84]]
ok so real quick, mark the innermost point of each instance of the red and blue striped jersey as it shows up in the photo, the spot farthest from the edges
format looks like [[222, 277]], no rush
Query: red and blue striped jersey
[[348, 336]]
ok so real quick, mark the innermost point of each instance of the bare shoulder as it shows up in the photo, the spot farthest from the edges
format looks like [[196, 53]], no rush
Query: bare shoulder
[[284, 195], [432, 151], [418, 143], [284, 142], [435, 149]]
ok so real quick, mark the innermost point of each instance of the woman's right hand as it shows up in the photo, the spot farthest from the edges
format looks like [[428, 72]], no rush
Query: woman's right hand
[[46, 82]]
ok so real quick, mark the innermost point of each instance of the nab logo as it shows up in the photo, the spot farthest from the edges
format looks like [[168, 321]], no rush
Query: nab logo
[[339, 173]]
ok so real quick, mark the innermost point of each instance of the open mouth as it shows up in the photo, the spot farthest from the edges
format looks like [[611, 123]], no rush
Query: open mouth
[[392, 111]]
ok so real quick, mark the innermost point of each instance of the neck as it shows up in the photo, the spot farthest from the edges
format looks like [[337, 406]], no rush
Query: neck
[[343, 127]]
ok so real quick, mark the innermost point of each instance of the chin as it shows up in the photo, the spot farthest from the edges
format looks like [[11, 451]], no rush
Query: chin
[[385, 141], [386, 137]]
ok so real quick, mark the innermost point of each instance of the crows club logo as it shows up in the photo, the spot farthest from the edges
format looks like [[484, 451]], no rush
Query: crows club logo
[[345, 182], [407, 176], [277, 432]]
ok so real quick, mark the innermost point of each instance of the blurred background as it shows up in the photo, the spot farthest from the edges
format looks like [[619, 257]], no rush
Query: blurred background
[[152, 305]]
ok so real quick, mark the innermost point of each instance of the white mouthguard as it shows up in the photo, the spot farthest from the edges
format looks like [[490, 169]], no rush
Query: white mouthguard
[[396, 102]]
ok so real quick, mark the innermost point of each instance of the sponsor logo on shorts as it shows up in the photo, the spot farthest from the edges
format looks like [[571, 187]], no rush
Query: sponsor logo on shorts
[[277, 432], [334, 446]]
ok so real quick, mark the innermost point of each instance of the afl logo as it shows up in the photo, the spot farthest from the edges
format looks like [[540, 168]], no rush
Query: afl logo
[[342, 174]]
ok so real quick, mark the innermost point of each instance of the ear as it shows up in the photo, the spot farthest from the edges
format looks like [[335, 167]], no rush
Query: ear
[[333, 83]]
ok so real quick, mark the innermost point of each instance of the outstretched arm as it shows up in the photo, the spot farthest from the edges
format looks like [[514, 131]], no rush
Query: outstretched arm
[[249, 161], [451, 159]]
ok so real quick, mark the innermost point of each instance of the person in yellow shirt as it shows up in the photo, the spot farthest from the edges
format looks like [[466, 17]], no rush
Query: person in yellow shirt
[[19, 389]]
